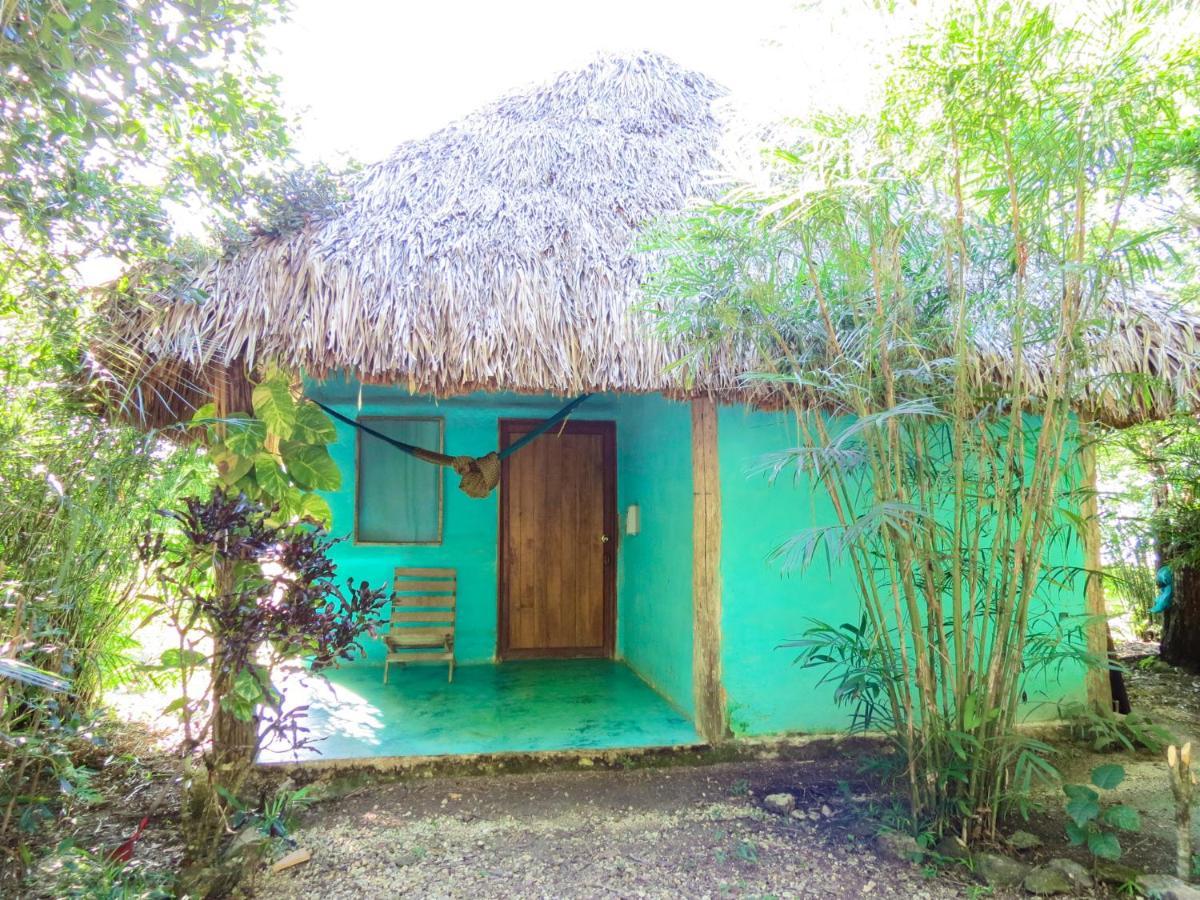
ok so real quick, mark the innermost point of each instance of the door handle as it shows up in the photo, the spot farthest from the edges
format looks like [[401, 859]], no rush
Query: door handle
[[604, 538]]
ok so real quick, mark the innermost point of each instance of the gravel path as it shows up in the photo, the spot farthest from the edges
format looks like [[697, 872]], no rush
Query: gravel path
[[679, 832]]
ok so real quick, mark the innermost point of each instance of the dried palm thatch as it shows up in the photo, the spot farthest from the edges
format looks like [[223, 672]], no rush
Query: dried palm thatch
[[497, 254]]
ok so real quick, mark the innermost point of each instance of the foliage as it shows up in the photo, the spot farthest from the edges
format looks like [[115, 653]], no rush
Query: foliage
[[1094, 822], [243, 595], [1106, 731], [83, 874], [924, 287], [277, 816], [278, 454], [851, 656], [92, 89], [116, 118], [72, 489], [1159, 503]]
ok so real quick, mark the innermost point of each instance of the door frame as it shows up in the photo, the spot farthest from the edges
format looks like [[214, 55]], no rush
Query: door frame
[[607, 429]]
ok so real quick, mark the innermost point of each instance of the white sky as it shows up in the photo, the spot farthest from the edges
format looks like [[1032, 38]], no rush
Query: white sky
[[361, 76], [368, 74]]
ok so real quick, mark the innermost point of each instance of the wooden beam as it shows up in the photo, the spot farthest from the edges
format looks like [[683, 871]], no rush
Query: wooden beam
[[707, 685], [1099, 684]]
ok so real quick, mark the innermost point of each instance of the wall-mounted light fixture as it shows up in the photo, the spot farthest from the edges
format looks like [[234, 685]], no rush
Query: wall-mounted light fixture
[[633, 519]]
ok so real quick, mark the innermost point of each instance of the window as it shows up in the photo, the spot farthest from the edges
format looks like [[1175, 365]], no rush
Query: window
[[399, 497]]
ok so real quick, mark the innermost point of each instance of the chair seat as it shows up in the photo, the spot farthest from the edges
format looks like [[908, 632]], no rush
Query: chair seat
[[395, 640]]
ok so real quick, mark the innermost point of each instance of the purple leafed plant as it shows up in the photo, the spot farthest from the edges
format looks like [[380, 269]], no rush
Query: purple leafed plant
[[263, 594]]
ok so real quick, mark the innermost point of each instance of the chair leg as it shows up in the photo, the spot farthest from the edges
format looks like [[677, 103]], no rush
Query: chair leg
[[386, 663]]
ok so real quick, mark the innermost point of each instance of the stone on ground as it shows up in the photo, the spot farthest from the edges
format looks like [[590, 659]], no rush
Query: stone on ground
[[1000, 871], [1059, 876], [951, 846], [898, 845], [1078, 875], [1112, 872], [1167, 887], [780, 804], [1046, 880], [1024, 840]]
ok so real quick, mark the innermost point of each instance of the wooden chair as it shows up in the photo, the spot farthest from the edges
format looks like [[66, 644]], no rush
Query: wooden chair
[[422, 625]]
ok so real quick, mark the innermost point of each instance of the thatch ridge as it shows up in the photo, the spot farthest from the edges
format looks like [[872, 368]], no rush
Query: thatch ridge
[[498, 254]]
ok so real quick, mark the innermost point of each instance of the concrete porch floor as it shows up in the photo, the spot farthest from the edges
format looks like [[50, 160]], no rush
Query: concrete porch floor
[[512, 707]]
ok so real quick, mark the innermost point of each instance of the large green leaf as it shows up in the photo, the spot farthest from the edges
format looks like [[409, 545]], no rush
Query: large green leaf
[[1124, 817], [270, 477], [311, 466], [176, 658], [1077, 791], [16, 670], [1083, 810], [313, 425], [1104, 844], [1108, 776], [244, 435], [315, 508], [274, 404], [205, 414], [231, 466]]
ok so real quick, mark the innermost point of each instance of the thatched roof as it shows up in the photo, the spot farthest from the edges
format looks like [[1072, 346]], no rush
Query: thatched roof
[[498, 254], [493, 254]]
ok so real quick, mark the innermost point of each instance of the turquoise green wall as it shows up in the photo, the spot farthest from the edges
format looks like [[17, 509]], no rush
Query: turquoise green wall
[[654, 586], [761, 606], [653, 568], [767, 694]]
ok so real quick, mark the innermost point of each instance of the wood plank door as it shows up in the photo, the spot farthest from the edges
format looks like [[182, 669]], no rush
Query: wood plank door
[[558, 541]]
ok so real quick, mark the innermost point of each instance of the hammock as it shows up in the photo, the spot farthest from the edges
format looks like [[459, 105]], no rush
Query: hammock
[[478, 475]]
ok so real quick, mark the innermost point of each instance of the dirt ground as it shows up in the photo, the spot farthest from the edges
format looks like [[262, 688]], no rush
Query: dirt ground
[[692, 831], [629, 828], [670, 832]]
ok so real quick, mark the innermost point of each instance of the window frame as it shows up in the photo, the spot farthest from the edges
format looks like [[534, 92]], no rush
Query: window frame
[[359, 471]]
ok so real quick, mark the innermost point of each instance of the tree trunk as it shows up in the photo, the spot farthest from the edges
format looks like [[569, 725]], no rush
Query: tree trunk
[[1181, 623], [223, 770], [227, 761]]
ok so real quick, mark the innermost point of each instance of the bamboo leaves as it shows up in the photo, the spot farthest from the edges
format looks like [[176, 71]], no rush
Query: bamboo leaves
[[926, 287]]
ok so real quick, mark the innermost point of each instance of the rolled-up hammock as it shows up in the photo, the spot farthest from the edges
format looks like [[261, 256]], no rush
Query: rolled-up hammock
[[478, 475]]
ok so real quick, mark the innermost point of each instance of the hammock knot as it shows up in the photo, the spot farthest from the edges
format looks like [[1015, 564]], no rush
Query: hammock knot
[[479, 475]]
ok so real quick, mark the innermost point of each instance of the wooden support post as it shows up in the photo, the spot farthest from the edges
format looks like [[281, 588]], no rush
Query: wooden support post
[[707, 685], [232, 390], [1099, 686]]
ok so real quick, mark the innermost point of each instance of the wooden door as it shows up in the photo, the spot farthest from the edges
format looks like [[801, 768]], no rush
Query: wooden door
[[558, 541]]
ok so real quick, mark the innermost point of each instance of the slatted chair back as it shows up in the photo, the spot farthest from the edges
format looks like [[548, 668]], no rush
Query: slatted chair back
[[423, 618]]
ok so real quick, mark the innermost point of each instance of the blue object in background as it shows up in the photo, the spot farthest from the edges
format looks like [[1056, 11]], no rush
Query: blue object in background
[[1166, 590]]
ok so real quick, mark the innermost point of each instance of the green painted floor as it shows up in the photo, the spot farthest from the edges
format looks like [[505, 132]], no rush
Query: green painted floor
[[512, 707]]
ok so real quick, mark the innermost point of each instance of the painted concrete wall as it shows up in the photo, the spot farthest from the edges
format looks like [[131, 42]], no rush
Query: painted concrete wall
[[653, 568], [654, 587], [762, 606]]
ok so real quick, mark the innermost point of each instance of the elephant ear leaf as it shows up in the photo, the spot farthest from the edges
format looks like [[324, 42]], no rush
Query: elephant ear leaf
[[313, 426], [315, 509], [274, 404], [270, 477], [245, 435], [311, 466]]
